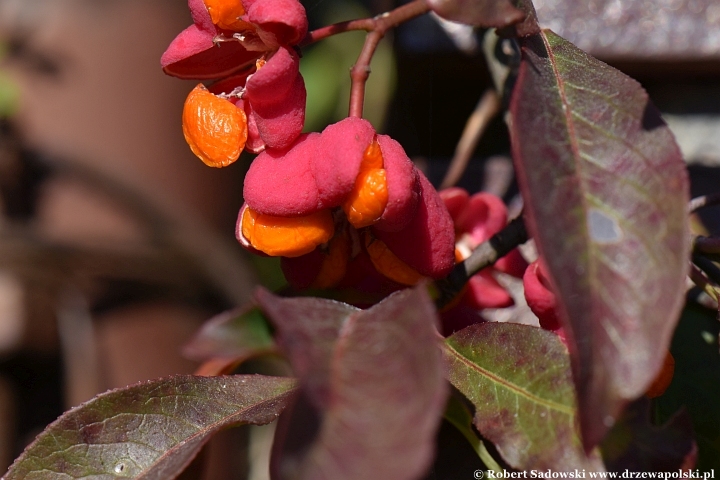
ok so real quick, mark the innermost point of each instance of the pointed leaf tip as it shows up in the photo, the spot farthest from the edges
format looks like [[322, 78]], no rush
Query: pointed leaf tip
[[606, 192], [151, 430]]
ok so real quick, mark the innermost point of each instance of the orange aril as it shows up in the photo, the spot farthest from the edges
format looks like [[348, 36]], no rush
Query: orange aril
[[663, 378], [369, 197], [334, 265], [226, 14], [372, 157], [215, 128], [287, 236], [388, 264]]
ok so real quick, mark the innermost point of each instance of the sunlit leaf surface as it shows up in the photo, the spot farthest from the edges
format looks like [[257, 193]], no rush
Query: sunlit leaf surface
[[151, 430], [518, 378], [605, 190]]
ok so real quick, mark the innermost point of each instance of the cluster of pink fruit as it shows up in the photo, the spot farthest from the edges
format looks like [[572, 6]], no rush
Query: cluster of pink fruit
[[344, 207]]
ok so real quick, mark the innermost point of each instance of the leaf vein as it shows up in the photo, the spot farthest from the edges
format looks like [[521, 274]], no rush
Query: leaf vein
[[496, 380]]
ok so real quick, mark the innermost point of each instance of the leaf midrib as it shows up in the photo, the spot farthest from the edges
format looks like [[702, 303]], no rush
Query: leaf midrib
[[575, 148], [564, 409]]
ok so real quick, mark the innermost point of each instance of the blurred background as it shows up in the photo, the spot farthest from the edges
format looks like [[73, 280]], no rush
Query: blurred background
[[116, 243]]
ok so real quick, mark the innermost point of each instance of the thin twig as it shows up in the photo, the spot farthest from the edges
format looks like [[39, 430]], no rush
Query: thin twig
[[483, 256], [360, 72], [708, 267], [705, 201], [376, 27], [698, 278], [703, 245], [488, 106], [23, 250], [366, 24]]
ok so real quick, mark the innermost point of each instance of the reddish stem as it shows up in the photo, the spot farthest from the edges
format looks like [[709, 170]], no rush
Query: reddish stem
[[360, 72], [376, 28], [366, 24]]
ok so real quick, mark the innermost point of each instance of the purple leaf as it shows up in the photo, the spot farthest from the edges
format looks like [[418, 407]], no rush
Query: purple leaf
[[236, 334], [385, 393], [480, 13], [308, 329], [529, 24], [519, 380], [151, 430], [606, 193]]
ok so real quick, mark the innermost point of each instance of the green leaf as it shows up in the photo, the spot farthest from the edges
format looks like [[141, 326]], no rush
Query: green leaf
[[606, 191], [151, 430], [236, 334], [461, 418], [518, 378], [385, 389], [454, 458]]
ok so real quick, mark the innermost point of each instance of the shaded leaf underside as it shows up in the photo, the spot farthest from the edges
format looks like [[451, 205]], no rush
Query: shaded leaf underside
[[606, 192], [380, 373], [235, 334], [308, 329], [151, 430]]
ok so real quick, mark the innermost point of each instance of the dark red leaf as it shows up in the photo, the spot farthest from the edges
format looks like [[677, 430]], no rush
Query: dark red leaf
[[528, 26], [385, 392], [308, 329], [151, 430], [636, 445], [234, 335], [518, 378], [606, 191], [480, 13]]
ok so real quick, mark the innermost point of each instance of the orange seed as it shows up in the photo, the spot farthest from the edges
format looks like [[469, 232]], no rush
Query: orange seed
[[287, 236], [388, 264], [368, 199], [334, 265], [663, 379], [226, 14], [215, 128]]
